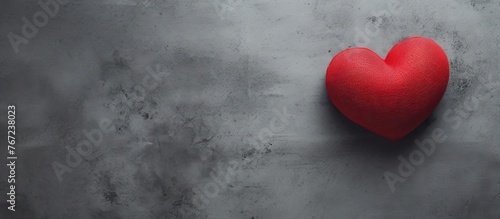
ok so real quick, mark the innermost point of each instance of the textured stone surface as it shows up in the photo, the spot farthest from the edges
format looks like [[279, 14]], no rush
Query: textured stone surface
[[226, 75]]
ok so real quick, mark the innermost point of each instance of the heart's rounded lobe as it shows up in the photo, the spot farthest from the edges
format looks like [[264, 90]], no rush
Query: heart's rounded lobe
[[389, 97]]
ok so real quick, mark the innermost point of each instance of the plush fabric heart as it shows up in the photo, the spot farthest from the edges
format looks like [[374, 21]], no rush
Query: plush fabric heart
[[389, 97]]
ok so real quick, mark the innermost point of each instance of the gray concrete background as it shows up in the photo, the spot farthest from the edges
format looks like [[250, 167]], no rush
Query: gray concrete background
[[226, 73]]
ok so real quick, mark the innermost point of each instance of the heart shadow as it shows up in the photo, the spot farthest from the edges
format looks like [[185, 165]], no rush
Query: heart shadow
[[359, 138]]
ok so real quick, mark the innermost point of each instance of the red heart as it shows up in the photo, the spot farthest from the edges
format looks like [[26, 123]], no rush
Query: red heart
[[389, 97]]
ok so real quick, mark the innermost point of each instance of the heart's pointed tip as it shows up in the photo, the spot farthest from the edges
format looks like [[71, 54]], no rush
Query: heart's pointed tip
[[394, 139]]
